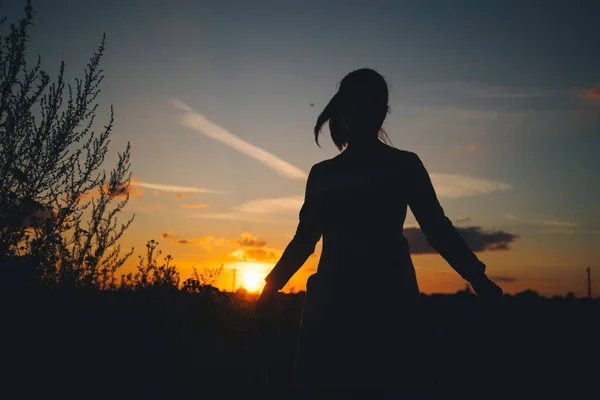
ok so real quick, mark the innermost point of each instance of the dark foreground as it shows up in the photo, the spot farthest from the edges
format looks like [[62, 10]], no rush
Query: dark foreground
[[63, 342]]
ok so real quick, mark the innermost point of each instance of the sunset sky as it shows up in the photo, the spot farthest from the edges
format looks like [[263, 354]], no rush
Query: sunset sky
[[501, 100]]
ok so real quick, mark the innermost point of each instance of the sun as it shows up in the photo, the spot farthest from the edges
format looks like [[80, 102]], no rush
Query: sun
[[249, 274], [253, 281]]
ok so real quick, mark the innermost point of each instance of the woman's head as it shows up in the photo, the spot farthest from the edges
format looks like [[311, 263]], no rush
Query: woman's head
[[357, 111]]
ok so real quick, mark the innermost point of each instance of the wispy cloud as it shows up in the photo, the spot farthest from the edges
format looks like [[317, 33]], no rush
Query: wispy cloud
[[462, 219], [262, 210], [259, 254], [549, 221], [198, 122], [122, 191], [552, 222], [183, 195], [275, 205], [455, 186], [194, 205], [592, 94], [206, 242], [172, 188], [554, 225]]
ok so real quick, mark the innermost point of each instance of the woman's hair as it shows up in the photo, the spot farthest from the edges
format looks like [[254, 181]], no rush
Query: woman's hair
[[357, 110]]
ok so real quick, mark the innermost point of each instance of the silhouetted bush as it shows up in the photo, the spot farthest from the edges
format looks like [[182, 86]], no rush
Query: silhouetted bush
[[58, 207], [151, 274], [203, 281]]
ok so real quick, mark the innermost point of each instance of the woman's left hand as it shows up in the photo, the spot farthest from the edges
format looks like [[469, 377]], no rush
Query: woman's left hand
[[265, 304]]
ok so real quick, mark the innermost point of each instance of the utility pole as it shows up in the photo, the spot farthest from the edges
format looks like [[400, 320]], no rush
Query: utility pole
[[589, 282], [233, 286]]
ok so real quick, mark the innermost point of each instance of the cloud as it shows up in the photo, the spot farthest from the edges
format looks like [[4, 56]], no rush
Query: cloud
[[592, 94], [237, 216], [248, 240], [460, 220], [194, 205], [554, 225], [258, 254], [122, 191], [262, 210], [455, 186], [183, 195], [275, 205], [206, 242], [254, 249], [476, 239], [548, 221], [132, 191], [172, 188], [198, 122], [553, 222]]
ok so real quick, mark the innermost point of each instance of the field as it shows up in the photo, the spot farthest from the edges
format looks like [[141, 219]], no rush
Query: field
[[146, 342]]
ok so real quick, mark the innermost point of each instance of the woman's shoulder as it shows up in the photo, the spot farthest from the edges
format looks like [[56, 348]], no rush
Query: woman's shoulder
[[321, 166], [389, 153], [401, 153], [400, 157]]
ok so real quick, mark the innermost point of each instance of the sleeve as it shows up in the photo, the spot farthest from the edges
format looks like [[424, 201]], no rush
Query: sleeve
[[303, 244], [437, 228]]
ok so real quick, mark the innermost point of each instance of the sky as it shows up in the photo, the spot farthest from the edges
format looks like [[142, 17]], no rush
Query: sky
[[501, 101]]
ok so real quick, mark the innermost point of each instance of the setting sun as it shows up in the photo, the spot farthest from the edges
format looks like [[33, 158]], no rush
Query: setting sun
[[253, 281], [250, 274]]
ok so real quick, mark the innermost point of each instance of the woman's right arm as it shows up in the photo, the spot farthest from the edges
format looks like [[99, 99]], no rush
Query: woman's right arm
[[308, 233]]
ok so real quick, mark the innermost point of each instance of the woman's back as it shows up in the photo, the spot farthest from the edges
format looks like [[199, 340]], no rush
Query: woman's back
[[361, 200]]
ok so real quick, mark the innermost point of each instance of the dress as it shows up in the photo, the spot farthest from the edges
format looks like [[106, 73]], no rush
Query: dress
[[361, 322]]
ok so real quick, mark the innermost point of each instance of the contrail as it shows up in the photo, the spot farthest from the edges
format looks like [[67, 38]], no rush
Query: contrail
[[198, 122], [172, 188]]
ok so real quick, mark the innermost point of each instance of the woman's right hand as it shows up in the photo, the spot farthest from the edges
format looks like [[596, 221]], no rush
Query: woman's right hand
[[486, 288]]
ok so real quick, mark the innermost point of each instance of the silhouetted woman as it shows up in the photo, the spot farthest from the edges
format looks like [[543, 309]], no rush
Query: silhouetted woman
[[360, 323]]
